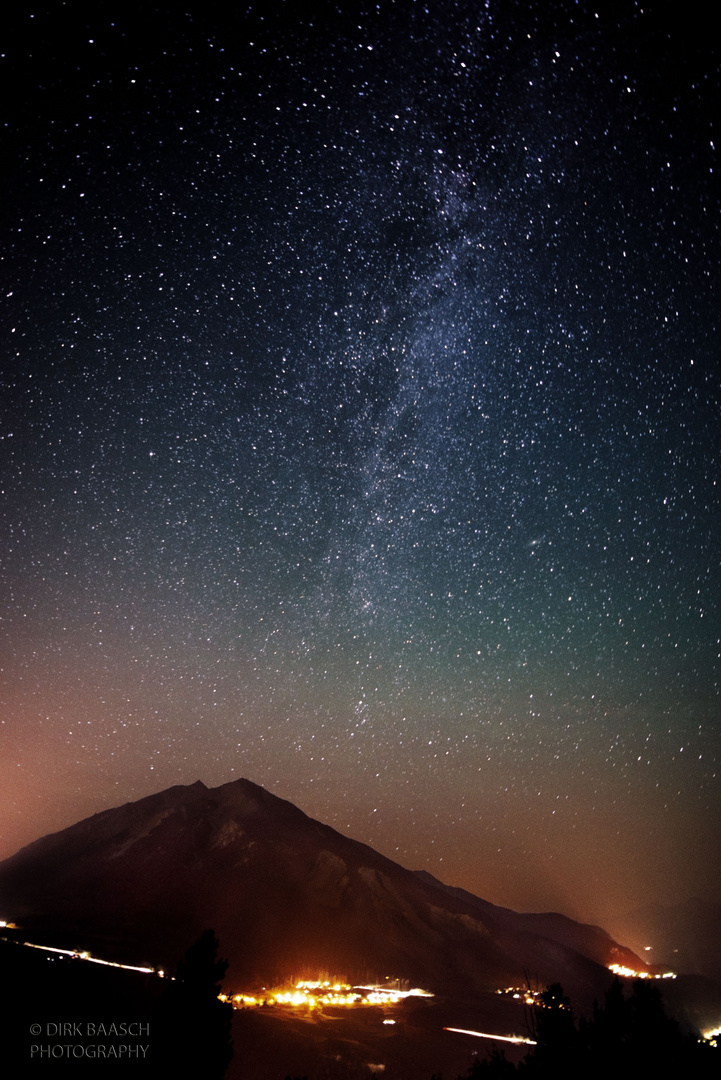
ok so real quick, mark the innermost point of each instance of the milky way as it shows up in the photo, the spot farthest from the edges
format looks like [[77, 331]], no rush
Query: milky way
[[361, 430]]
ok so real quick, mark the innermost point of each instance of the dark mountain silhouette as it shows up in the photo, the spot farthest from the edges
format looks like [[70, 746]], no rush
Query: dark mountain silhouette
[[548, 928], [285, 894]]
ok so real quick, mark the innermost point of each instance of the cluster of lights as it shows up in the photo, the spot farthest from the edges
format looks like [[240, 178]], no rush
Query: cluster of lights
[[619, 969], [521, 994], [314, 994], [712, 1037]]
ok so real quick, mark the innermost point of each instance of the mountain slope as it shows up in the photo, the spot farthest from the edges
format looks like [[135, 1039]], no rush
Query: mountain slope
[[593, 942], [286, 894]]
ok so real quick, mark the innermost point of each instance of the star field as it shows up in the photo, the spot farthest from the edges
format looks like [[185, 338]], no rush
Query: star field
[[361, 430]]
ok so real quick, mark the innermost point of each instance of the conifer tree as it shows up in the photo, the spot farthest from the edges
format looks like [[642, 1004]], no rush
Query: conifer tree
[[194, 1025]]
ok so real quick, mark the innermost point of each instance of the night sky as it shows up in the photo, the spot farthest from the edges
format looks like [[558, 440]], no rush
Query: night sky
[[360, 429]]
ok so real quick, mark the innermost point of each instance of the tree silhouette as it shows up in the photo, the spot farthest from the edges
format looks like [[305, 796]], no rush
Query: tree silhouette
[[557, 1049], [627, 1037], [495, 1067], [194, 1025]]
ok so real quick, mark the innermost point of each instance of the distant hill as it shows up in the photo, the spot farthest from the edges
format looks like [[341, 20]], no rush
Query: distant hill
[[591, 941], [287, 896], [686, 937]]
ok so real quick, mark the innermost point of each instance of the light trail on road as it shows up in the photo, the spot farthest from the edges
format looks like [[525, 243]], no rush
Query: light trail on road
[[487, 1035]]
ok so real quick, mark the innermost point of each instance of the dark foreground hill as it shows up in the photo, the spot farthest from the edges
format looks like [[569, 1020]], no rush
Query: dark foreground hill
[[287, 896]]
